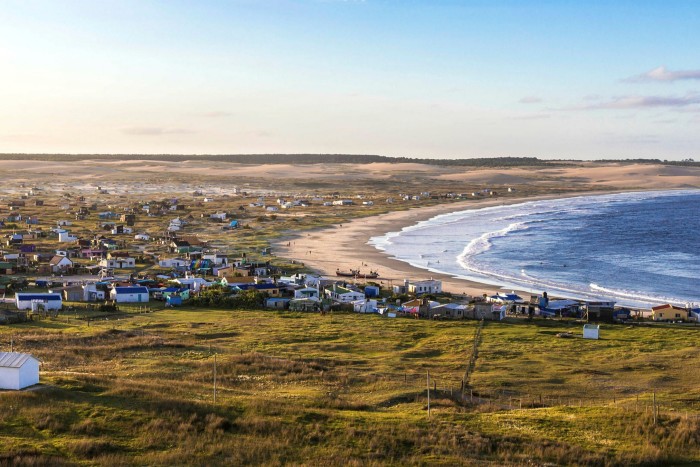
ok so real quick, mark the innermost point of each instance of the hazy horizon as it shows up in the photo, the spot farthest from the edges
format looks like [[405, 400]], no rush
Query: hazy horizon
[[420, 79]]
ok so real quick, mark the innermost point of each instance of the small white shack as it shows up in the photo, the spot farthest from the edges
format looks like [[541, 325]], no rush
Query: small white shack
[[131, 294], [31, 301], [18, 370], [591, 331]]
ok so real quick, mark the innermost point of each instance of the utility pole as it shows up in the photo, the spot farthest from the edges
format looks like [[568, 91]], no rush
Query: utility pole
[[215, 378]]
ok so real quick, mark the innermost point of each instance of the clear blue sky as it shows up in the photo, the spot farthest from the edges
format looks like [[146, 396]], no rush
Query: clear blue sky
[[569, 79]]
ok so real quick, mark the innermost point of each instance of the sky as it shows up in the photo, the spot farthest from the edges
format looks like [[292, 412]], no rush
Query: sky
[[439, 79]]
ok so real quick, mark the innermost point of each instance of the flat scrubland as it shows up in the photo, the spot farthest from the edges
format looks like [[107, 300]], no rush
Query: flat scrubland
[[347, 389]]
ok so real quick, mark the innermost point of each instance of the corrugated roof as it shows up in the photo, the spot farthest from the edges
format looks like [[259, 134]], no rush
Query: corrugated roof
[[38, 296], [131, 289], [14, 359]]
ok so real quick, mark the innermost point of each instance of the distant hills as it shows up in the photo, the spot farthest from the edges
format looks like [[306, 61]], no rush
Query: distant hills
[[330, 159]]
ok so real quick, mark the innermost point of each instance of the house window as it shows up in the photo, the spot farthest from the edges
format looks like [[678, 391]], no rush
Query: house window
[[678, 315]]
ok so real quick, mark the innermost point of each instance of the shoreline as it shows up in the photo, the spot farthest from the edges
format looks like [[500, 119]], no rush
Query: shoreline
[[346, 247]]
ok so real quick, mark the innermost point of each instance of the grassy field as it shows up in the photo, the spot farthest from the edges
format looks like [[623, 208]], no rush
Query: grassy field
[[346, 389]]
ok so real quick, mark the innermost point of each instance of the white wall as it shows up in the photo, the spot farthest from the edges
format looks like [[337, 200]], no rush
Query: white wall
[[130, 297], [29, 373], [9, 378], [18, 378]]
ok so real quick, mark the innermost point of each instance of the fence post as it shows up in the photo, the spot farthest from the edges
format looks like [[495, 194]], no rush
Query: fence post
[[427, 383]]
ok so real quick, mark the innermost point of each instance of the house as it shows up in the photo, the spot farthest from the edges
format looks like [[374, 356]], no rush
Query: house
[[142, 236], [307, 292], [183, 293], [448, 311], [118, 263], [505, 298], [31, 301], [343, 202], [272, 290], [120, 229], [230, 281], [600, 310], [342, 294], [73, 293], [27, 248], [425, 287], [60, 264], [216, 259], [6, 268], [92, 294], [218, 216], [129, 294], [18, 370], [194, 284], [277, 303], [179, 246], [564, 307], [304, 304], [364, 306], [669, 312], [91, 253], [173, 263], [487, 311], [128, 219], [65, 236]]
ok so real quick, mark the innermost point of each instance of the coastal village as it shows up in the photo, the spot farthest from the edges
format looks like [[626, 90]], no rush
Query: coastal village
[[94, 252], [144, 316]]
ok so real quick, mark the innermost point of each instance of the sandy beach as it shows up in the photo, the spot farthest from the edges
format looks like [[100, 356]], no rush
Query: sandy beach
[[345, 247]]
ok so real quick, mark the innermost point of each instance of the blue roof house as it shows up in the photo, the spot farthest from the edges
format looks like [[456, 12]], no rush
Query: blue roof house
[[29, 301]]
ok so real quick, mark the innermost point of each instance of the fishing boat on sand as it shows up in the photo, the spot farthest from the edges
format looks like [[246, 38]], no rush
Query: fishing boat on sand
[[356, 273]]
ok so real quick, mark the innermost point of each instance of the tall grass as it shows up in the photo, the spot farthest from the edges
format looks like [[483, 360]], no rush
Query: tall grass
[[343, 390]]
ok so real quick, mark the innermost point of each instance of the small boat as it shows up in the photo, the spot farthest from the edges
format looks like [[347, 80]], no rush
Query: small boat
[[356, 273], [352, 273]]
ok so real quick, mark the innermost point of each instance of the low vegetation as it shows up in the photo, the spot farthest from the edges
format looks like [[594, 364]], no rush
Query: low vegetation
[[346, 389]]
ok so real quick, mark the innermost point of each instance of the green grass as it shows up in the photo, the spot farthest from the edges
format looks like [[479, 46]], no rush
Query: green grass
[[338, 389]]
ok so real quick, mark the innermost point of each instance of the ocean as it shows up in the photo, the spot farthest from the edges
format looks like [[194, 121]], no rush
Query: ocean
[[640, 249]]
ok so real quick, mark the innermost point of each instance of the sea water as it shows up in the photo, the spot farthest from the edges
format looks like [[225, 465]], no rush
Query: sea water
[[640, 249]]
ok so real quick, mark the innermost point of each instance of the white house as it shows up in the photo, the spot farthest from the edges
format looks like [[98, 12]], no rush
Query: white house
[[307, 292], [121, 230], [130, 294], [64, 223], [118, 263], [425, 287], [216, 258], [18, 370], [195, 284], [344, 295], [60, 263], [30, 301], [173, 263], [218, 215], [142, 236], [65, 236], [91, 293], [365, 306]]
